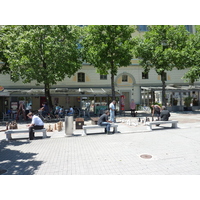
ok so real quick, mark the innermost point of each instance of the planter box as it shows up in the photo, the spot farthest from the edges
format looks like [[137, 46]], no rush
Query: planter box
[[187, 108]]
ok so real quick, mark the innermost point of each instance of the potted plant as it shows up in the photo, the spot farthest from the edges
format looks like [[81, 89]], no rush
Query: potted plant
[[175, 101], [187, 102]]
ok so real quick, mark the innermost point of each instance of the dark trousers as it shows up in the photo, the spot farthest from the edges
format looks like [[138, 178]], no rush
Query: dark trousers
[[157, 114], [133, 112], [31, 133]]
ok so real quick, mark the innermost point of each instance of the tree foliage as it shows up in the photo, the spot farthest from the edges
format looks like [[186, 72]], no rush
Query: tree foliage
[[108, 47], [161, 49], [42, 53], [191, 56]]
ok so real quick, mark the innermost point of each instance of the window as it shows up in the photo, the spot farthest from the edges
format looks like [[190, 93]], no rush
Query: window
[[189, 28], [145, 75], [124, 78], [103, 77], [81, 77], [142, 28]]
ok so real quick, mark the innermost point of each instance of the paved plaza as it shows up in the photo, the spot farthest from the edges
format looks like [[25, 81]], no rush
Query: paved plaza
[[133, 150]]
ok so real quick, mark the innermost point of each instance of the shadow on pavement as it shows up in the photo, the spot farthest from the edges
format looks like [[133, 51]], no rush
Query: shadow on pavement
[[14, 162]]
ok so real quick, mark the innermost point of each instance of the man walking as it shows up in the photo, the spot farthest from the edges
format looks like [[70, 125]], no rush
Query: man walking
[[112, 111]]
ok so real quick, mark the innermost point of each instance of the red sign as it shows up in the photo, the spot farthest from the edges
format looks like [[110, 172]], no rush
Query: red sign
[[1, 88], [122, 102]]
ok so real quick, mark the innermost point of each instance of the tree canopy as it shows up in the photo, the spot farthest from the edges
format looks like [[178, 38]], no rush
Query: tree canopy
[[44, 53], [161, 49], [191, 56], [108, 47]]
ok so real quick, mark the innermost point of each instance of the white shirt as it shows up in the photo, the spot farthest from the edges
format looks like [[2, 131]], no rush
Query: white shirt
[[37, 121], [71, 110], [112, 106]]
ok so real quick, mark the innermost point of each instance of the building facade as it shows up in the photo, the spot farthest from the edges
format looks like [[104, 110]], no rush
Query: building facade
[[87, 87]]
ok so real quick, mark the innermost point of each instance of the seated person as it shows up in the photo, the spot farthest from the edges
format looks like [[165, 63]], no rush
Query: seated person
[[71, 111], [45, 110], [61, 112], [36, 123], [164, 115], [103, 121], [57, 110]]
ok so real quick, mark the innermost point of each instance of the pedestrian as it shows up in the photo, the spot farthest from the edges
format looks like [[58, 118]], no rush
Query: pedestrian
[[21, 110], [103, 121], [164, 114], [36, 123], [132, 108], [28, 109], [156, 111], [45, 110], [112, 111]]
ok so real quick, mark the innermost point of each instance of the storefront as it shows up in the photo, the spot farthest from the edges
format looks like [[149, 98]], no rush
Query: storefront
[[93, 99], [178, 98]]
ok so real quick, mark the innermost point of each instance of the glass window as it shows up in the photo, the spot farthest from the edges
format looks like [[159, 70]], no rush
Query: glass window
[[124, 78], [142, 28], [189, 28], [103, 77], [81, 77], [145, 75]]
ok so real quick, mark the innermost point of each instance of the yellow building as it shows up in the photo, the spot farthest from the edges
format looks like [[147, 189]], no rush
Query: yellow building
[[87, 87]]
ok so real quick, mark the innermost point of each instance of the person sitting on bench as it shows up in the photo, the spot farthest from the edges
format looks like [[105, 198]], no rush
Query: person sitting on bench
[[103, 121], [164, 115], [36, 123]]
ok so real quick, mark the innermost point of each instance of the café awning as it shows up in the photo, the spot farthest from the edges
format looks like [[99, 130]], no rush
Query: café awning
[[59, 92]]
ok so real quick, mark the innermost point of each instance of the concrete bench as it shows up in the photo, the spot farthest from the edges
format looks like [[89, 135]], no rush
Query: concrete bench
[[98, 126], [149, 124], [94, 120], [12, 131]]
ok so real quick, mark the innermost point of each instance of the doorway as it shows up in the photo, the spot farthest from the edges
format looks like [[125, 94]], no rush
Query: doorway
[[126, 100]]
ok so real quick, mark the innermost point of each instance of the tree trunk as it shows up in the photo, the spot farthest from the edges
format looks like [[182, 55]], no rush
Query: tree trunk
[[163, 88], [48, 96], [112, 80], [47, 90], [113, 86]]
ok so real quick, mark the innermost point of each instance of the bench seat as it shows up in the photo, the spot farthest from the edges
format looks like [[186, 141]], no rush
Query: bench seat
[[173, 122], [98, 126], [12, 131]]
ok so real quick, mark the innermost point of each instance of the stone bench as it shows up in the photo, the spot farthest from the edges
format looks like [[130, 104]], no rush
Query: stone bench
[[98, 126], [94, 120], [149, 124], [13, 131]]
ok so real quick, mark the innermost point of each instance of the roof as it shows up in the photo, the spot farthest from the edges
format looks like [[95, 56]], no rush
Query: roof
[[60, 92], [174, 87]]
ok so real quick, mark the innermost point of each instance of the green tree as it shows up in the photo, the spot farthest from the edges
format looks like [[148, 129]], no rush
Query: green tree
[[108, 47], [44, 53], [191, 57], [4, 68], [161, 49]]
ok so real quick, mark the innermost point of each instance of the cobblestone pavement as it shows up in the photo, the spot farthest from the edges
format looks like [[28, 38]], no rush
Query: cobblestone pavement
[[132, 151]]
